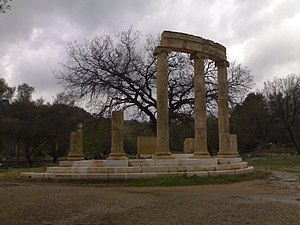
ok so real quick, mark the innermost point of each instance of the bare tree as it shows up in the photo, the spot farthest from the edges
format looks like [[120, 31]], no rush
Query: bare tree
[[4, 5], [283, 95], [120, 72]]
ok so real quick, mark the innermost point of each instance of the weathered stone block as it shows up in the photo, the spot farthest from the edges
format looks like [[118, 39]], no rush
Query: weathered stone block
[[235, 160], [115, 163], [235, 166], [185, 168], [211, 161], [98, 163], [39, 176], [128, 169], [59, 170], [183, 156], [189, 145], [166, 162], [199, 168], [65, 163], [189, 162], [201, 174], [244, 171], [223, 160], [146, 146], [83, 163], [211, 168], [141, 162], [223, 167], [159, 169], [26, 175], [244, 165], [100, 170]]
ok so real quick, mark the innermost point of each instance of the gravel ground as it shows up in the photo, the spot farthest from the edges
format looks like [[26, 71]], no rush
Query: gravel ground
[[252, 202]]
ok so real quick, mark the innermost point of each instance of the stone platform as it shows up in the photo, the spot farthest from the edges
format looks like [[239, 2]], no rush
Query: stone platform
[[109, 170]]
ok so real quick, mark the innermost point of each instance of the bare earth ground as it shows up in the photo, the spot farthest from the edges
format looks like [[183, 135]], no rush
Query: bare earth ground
[[272, 201]]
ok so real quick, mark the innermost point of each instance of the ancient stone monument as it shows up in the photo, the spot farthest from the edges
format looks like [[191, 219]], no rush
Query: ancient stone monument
[[76, 145], [200, 49], [163, 163]]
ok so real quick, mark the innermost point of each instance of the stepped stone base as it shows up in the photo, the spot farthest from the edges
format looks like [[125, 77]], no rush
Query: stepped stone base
[[107, 170]]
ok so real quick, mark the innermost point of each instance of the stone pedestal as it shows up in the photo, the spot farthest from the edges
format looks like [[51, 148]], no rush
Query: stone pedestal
[[117, 132], [76, 145], [200, 108], [146, 147], [163, 146]]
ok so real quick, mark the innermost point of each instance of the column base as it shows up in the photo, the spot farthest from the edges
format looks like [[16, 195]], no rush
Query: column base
[[201, 155], [163, 155], [117, 156], [75, 157], [228, 155]]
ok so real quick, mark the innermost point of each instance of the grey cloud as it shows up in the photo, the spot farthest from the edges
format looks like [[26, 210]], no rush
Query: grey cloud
[[35, 32]]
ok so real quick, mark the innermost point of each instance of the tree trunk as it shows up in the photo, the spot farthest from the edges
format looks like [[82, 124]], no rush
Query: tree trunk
[[55, 151], [153, 125], [294, 140], [28, 155]]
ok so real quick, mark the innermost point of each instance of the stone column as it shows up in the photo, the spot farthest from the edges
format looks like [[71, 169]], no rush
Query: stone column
[[162, 124], [117, 132], [76, 152], [223, 112], [200, 107]]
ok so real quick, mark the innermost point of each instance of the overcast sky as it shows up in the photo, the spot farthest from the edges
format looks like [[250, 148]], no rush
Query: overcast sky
[[263, 35]]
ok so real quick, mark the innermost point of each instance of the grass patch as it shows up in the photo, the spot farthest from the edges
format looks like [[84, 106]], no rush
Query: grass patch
[[14, 174], [283, 163]]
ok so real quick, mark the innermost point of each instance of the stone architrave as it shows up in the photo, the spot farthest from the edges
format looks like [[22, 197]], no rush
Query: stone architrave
[[117, 133], [223, 111], [200, 108], [76, 152], [163, 146]]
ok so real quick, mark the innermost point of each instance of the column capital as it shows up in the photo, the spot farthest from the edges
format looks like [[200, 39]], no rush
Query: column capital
[[198, 55], [224, 63], [160, 49]]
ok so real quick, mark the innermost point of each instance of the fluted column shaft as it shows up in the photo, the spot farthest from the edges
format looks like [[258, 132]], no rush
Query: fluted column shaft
[[223, 111], [200, 107], [162, 132]]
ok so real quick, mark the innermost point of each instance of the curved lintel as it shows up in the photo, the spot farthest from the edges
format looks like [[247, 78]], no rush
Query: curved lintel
[[191, 44]]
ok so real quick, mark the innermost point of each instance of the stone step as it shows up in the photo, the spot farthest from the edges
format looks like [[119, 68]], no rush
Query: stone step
[[145, 169], [150, 162], [130, 176]]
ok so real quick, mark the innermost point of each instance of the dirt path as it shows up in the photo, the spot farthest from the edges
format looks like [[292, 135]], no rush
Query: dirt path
[[253, 202]]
